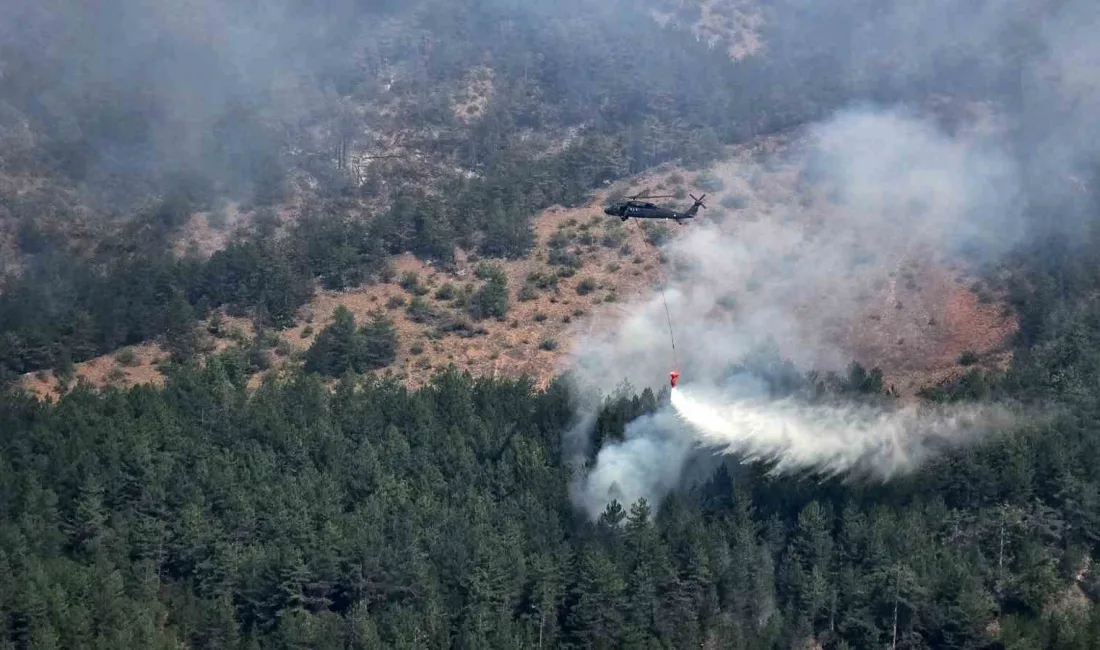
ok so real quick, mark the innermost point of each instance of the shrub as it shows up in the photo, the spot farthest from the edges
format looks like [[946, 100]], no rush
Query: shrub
[[613, 237], [562, 257], [446, 292], [419, 311], [557, 240], [708, 182], [656, 234], [486, 270], [548, 344], [585, 287], [410, 282], [968, 358], [387, 273], [491, 300]]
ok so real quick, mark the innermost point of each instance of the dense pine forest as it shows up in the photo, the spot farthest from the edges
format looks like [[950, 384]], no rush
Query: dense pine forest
[[333, 508], [207, 515]]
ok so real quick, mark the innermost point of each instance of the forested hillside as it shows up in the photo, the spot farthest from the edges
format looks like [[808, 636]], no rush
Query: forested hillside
[[279, 233]]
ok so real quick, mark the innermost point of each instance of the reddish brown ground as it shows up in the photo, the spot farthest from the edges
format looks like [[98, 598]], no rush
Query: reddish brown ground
[[102, 371], [916, 333]]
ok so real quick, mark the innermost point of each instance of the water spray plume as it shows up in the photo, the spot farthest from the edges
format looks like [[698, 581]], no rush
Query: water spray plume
[[832, 439]]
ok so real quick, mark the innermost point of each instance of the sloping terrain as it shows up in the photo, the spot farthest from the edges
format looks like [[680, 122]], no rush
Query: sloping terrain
[[732, 24], [916, 316]]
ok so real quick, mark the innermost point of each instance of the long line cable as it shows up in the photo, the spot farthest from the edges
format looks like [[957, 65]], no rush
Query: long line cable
[[664, 300]]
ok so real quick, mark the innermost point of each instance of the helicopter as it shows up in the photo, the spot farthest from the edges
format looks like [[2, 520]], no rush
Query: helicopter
[[637, 208]]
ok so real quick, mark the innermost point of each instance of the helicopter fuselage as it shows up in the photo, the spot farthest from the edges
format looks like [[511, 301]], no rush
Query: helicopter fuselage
[[635, 210]]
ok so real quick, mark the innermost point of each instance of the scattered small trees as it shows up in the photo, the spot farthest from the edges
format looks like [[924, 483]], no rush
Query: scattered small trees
[[341, 347], [491, 299]]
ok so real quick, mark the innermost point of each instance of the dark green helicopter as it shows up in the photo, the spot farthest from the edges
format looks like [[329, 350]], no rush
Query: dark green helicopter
[[637, 208]]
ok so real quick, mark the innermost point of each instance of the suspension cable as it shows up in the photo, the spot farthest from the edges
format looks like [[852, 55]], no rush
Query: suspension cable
[[664, 300]]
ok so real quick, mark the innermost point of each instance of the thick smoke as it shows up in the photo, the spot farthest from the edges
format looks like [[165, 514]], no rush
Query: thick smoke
[[127, 93], [858, 197], [868, 190]]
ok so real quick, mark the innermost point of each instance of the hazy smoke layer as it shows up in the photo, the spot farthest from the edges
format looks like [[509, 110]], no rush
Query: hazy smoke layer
[[848, 205], [819, 233], [831, 439], [648, 464]]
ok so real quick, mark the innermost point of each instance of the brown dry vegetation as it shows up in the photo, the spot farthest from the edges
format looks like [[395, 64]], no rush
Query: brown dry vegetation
[[919, 325], [475, 95], [208, 232]]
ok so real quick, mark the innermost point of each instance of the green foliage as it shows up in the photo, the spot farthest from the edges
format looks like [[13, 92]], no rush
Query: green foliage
[[527, 292], [586, 286], [543, 281], [707, 181], [507, 234], [491, 299], [204, 515], [445, 292], [656, 234], [613, 237], [341, 347], [488, 271], [419, 311], [410, 282], [127, 357]]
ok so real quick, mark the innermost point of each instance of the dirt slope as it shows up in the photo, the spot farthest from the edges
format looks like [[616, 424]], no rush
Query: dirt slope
[[916, 315]]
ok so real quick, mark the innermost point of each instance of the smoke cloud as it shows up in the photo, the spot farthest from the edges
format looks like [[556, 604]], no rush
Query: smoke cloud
[[826, 223], [846, 203], [851, 201]]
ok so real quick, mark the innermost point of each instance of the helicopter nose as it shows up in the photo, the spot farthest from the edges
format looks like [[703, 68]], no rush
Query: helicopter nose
[[609, 211]]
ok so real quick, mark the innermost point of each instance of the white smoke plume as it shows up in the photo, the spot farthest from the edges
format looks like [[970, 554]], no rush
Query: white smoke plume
[[851, 202], [819, 225]]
